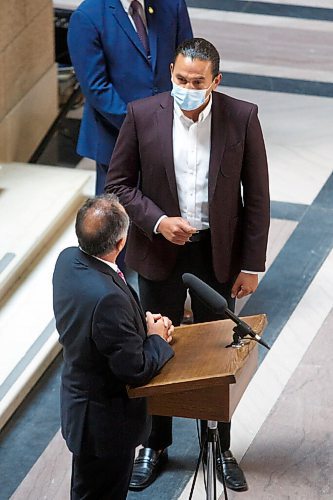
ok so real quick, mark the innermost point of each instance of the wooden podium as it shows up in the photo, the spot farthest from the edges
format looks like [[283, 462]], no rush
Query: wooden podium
[[204, 379]]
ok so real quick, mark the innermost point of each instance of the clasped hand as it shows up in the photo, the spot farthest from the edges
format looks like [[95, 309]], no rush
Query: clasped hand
[[159, 325]]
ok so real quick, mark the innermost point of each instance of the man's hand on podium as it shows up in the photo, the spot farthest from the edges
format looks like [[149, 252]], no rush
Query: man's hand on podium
[[159, 325]]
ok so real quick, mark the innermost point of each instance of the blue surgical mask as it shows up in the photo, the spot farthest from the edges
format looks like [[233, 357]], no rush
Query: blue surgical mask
[[189, 99]]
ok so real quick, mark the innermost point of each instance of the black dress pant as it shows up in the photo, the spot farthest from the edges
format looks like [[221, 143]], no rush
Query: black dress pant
[[96, 478], [168, 298]]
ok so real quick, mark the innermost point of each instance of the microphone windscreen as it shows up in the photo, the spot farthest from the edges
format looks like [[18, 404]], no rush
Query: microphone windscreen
[[207, 294]]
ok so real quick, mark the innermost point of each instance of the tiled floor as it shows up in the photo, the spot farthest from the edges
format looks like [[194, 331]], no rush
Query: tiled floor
[[281, 429], [53, 466]]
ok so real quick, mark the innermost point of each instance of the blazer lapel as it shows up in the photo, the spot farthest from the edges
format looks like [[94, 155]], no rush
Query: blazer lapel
[[150, 10], [218, 142], [121, 17], [165, 125], [131, 293]]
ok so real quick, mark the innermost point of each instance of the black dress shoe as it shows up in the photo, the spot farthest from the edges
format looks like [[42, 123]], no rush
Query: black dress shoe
[[233, 474], [146, 467]]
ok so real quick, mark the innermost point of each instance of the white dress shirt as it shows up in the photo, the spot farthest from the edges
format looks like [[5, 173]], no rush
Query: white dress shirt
[[113, 265], [191, 153]]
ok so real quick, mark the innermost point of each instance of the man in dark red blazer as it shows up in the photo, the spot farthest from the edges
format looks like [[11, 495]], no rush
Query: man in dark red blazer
[[190, 168]]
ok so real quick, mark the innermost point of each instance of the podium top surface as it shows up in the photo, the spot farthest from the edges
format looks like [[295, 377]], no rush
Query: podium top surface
[[201, 358]]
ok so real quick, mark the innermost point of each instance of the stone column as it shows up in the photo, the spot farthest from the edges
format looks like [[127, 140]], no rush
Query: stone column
[[28, 76]]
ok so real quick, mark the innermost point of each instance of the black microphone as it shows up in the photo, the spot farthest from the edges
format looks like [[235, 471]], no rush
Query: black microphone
[[206, 293], [219, 305]]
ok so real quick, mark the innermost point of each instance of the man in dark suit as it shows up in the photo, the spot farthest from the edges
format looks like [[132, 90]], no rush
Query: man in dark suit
[[121, 51], [107, 343], [190, 168]]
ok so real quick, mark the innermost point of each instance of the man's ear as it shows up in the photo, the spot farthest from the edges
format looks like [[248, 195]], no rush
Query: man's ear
[[217, 80], [171, 68], [120, 244]]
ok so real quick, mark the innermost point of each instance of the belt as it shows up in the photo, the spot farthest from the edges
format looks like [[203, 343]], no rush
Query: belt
[[202, 235]]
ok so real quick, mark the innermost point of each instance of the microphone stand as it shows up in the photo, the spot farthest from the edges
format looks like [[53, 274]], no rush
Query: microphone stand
[[241, 330], [219, 305], [212, 441]]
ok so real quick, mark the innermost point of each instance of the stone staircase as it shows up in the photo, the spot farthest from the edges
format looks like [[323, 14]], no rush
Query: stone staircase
[[38, 205]]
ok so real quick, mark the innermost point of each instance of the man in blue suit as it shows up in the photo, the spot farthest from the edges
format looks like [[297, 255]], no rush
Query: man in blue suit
[[121, 51]]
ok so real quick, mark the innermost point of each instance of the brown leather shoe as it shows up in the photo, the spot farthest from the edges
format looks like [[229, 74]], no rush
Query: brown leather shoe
[[146, 467], [233, 474]]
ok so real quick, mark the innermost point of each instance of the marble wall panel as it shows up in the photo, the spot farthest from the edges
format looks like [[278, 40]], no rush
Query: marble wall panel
[[12, 21], [29, 120], [2, 87], [3, 141], [28, 57], [33, 7]]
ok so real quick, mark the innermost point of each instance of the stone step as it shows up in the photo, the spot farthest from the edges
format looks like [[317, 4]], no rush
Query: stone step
[[34, 203], [35, 226]]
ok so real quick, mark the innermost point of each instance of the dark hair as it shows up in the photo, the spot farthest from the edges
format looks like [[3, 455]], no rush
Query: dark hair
[[199, 48], [100, 223]]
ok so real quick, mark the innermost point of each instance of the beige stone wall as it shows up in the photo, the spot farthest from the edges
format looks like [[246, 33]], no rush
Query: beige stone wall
[[28, 79]]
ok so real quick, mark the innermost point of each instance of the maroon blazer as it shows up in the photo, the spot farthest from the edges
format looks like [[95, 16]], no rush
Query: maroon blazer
[[142, 174]]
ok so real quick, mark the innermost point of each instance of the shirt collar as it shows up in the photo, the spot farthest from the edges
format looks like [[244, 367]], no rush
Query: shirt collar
[[202, 117], [126, 4], [113, 265]]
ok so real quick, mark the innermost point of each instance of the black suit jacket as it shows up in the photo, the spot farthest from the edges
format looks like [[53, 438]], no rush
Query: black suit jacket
[[142, 174], [103, 332]]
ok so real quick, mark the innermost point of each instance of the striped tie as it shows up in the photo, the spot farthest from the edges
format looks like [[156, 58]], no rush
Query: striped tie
[[139, 24], [121, 274]]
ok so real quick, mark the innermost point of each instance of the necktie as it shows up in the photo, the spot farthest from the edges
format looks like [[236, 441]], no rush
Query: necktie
[[119, 272], [140, 27]]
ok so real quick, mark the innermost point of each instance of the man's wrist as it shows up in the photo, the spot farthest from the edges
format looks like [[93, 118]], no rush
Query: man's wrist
[[158, 223]]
